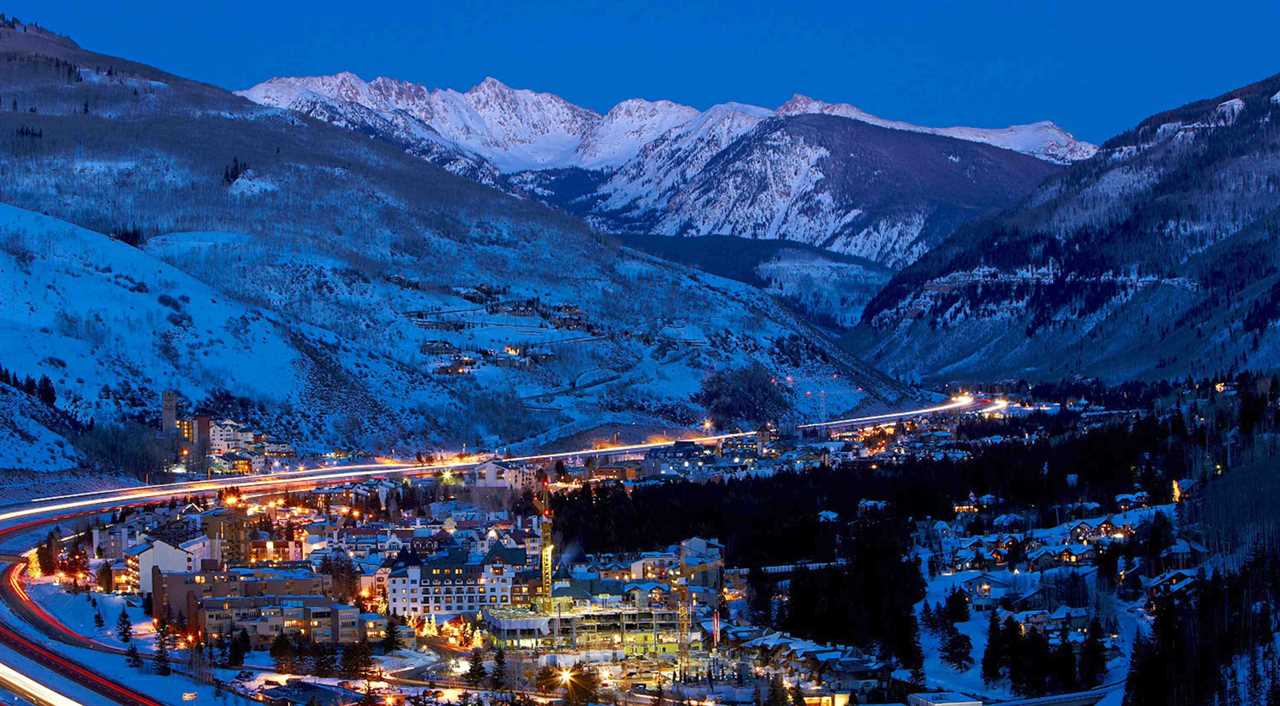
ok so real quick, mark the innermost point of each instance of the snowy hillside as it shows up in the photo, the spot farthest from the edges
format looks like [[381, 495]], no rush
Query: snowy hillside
[[658, 167], [330, 288], [31, 438], [1154, 258]]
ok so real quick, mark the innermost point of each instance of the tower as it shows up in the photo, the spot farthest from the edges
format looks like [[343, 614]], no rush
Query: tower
[[169, 411]]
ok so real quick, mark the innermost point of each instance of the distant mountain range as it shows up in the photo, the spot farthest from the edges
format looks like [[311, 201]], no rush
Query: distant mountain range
[[1155, 258], [823, 174]]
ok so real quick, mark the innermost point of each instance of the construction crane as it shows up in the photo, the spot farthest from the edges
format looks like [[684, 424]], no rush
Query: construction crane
[[681, 586], [542, 503], [682, 627]]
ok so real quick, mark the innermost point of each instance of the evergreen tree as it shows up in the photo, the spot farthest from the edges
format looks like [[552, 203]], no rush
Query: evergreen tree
[[498, 678], [98, 621], [1062, 667], [391, 641], [104, 577], [475, 675], [956, 648], [1093, 657], [132, 657], [124, 626], [45, 392], [993, 657], [47, 555], [323, 664], [584, 685], [161, 659], [956, 608], [928, 619], [283, 653], [239, 647]]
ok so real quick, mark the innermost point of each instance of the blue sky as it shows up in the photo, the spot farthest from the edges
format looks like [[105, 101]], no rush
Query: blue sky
[[1093, 67]]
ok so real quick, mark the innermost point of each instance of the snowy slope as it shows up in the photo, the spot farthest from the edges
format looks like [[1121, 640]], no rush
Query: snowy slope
[[30, 436], [105, 321]]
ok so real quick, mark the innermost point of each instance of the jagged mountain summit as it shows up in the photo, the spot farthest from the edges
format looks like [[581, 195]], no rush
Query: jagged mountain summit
[[512, 129], [734, 169], [1155, 258]]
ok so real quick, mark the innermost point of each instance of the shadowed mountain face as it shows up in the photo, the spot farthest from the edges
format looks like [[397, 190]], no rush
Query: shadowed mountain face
[[823, 174], [327, 286], [1154, 258]]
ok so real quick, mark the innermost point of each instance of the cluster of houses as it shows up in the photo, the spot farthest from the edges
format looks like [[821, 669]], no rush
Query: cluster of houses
[[221, 446], [326, 568]]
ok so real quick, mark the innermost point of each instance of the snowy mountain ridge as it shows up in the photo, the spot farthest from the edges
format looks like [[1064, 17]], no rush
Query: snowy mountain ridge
[[823, 174], [520, 129], [1043, 139]]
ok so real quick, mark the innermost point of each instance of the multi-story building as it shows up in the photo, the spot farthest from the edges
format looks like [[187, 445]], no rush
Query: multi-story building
[[453, 584], [228, 527], [112, 541], [506, 476], [229, 435], [315, 618], [634, 630], [180, 592], [143, 559]]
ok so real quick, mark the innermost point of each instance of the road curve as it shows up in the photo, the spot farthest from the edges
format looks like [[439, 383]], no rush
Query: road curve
[[51, 510]]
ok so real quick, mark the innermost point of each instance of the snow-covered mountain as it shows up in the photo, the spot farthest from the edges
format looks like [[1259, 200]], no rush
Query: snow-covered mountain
[[654, 166], [512, 129], [159, 233], [1155, 258]]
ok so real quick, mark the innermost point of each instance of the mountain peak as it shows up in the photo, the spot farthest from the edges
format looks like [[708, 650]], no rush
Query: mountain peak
[[490, 85]]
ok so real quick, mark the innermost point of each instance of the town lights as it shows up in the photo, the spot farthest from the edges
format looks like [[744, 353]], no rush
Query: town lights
[[566, 677]]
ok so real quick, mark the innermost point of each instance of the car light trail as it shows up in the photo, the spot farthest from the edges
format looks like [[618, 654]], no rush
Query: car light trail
[[325, 474], [956, 403], [29, 688]]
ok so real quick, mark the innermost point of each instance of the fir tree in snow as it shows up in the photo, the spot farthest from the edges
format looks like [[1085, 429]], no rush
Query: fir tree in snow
[[391, 641], [498, 677], [161, 659], [1093, 657], [124, 626], [475, 675], [956, 649], [992, 655]]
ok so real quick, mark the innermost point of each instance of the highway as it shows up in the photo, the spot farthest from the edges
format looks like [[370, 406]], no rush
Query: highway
[[27, 519]]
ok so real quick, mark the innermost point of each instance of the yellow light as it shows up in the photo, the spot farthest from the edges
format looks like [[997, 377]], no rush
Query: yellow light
[[566, 677]]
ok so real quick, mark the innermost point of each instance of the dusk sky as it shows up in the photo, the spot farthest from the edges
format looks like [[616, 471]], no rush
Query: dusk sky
[[1093, 67]]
